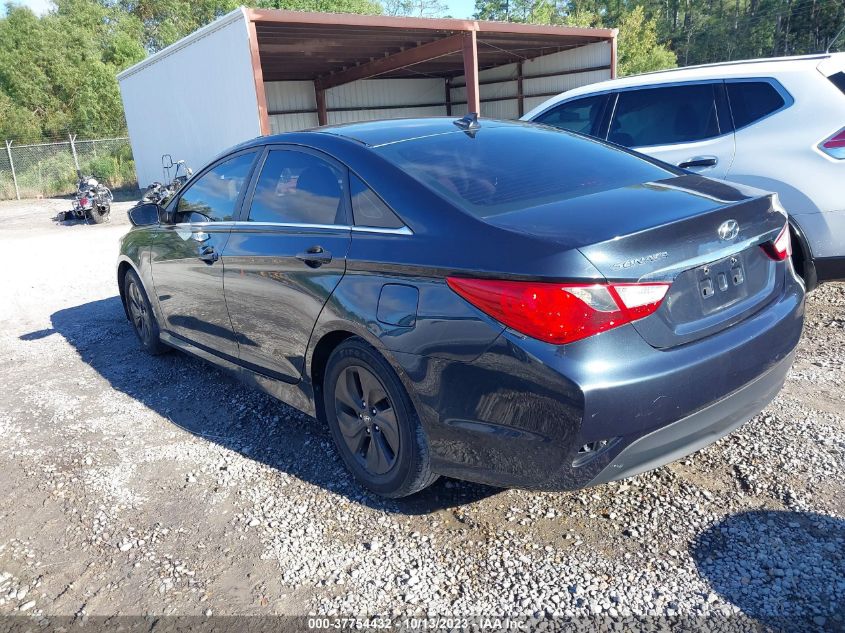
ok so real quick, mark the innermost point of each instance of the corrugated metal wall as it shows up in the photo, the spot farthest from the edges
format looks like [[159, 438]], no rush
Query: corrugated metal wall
[[381, 98], [358, 101], [590, 56], [286, 96]]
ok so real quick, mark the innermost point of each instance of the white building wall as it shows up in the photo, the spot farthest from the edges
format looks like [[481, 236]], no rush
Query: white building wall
[[192, 100], [590, 56], [379, 98]]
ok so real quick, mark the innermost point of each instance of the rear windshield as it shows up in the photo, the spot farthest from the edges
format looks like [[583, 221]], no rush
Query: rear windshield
[[506, 168]]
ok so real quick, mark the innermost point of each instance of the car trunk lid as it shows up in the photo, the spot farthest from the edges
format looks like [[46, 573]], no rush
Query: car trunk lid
[[701, 235]]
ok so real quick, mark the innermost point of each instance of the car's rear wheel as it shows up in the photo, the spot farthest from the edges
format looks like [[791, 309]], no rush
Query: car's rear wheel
[[373, 422], [141, 314]]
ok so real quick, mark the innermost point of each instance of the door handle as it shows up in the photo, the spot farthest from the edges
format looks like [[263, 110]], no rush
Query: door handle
[[315, 256], [699, 161], [209, 255]]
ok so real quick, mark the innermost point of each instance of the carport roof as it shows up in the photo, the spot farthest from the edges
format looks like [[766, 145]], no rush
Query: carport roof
[[295, 45]]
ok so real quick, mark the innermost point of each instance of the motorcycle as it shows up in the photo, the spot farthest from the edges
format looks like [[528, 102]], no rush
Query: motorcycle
[[159, 193], [92, 201]]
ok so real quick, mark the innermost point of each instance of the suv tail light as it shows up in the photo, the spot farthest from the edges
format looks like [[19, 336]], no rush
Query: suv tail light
[[835, 145], [781, 248], [560, 313]]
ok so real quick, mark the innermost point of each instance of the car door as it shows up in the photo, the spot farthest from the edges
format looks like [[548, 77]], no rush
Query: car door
[[585, 115], [286, 256], [187, 265], [687, 125]]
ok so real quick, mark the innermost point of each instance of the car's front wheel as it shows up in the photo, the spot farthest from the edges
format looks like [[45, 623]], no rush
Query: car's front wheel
[[141, 314], [373, 422]]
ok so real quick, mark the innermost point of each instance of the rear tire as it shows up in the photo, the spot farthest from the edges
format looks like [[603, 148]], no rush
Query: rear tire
[[373, 422], [141, 315], [98, 216]]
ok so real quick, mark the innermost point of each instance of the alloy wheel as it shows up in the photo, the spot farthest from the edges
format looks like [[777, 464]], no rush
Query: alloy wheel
[[139, 313], [367, 419]]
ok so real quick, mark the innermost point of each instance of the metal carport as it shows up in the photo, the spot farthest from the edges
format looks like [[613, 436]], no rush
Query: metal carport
[[259, 71]]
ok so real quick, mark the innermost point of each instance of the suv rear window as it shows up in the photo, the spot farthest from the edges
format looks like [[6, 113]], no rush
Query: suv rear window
[[838, 80], [513, 167], [752, 100]]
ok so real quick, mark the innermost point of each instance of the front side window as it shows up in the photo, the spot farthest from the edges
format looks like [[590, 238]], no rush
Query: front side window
[[298, 188], [580, 115], [370, 210], [214, 195], [752, 100], [664, 116]]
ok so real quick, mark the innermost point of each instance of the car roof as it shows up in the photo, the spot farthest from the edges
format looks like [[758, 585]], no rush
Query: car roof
[[383, 132], [726, 70]]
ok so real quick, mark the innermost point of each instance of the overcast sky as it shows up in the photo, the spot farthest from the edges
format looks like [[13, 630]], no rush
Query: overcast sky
[[457, 8]]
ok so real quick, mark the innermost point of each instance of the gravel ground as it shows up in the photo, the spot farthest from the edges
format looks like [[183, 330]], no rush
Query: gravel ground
[[136, 485]]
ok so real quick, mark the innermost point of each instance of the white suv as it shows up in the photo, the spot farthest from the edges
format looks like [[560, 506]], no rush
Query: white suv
[[775, 124]]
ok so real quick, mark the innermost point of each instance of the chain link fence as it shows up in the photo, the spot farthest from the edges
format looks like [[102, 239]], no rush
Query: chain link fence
[[49, 169]]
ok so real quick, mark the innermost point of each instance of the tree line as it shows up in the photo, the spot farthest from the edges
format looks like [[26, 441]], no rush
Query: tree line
[[692, 31], [57, 71]]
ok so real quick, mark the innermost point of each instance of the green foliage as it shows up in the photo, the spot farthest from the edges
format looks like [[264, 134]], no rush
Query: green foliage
[[415, 8], [369, 7], [639, 49], [662, 33], [57, 73]]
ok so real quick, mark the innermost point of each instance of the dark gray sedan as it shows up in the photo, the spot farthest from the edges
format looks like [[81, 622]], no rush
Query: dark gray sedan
[[493, 301]]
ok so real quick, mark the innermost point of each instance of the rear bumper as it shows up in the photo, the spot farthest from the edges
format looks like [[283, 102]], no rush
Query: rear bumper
[[519, 413], [698, 430]]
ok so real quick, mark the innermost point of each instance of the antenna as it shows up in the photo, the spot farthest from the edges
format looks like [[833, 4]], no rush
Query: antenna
[[835, 37], [469, 123]]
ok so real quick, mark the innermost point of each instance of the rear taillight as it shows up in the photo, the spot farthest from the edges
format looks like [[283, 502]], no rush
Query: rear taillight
[[83, 202], [560, 313], [835, 145], [781, 248]]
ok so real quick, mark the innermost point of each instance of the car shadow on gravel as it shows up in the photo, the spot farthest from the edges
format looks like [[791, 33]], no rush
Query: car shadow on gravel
[[207, 402], [785, 569]]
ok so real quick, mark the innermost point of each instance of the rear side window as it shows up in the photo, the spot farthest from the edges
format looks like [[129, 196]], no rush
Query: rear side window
[[512, 167], [580, 115], [298, 188], [752, 101], [838, 80], [370, 210], [664, 116], [213, 196]]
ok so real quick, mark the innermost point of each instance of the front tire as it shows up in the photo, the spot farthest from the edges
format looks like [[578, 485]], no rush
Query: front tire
[[141, 315], [373, 422]]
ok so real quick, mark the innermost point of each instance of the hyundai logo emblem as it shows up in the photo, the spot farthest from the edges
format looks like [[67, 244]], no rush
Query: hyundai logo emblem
[[728, 230]]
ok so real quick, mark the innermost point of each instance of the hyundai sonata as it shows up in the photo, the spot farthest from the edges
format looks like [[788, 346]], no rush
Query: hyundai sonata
[[494, 301]]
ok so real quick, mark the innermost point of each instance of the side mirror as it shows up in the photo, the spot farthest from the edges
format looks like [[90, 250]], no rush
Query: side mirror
[[166, 161], [145, 214]]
